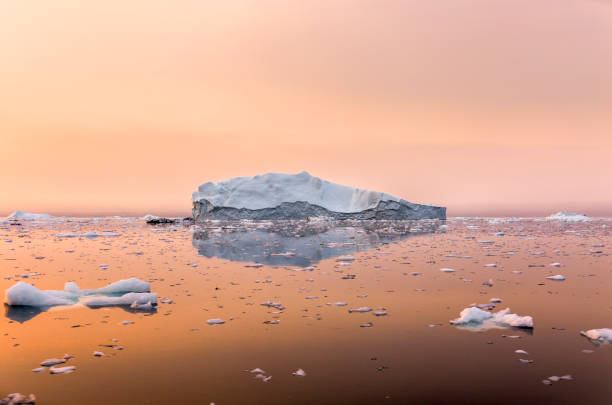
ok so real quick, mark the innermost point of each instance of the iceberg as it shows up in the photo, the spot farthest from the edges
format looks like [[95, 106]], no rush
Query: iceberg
[[24, 294], [29, 216], [300, 196], [476, 317], [134, 299], [568, 217]]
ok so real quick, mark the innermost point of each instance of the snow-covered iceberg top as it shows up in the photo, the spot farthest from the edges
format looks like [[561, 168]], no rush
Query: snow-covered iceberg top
[[272, 189], [29, 216], [476, 317], [568, 216]]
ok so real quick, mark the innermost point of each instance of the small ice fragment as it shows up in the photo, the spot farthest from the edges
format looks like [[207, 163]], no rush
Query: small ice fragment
[[38, 370], [299, 372], [337, 304], [345, 259], [557, 277], [98, 354], [127, 322], [447, 270], [525, 361], [62, 370], [603, 335], [555, 264], [257, 371], [520, 351], [215, 321], [360, 309], [379, 313], [495, 300], [547, 382], [366, 325], [488, 283], [554, 378], [52, 362]]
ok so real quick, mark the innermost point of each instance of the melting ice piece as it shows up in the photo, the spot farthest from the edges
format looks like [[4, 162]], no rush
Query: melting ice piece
[[337, 304], [215, 321], [483, 320], [18, 399], [52, 362], [520, 351], [603, 335], [557, 277], [98, 353], [360, 309], [125, 299], [299, 372], [447, 270], [24, 294], [257, 371], [122, 286], [62, 370], [38, 370]]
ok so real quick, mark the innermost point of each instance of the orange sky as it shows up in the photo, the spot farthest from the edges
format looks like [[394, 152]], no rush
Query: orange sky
[[488, 107]]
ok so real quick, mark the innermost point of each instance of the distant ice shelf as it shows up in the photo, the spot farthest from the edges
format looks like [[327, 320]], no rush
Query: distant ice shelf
[[300, 196], [568, 217]]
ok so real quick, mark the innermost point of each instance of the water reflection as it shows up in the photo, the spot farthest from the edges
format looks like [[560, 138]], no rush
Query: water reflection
[[301, 243], [22, 314]]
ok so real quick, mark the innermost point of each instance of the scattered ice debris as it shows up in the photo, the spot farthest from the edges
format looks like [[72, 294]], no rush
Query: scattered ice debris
[[476, 317], [337, 304], [366, 325], [555, 264], [257, 371], [263, 378], [520, 351], [491, 265], [554, 378], [299, 373], [557, 277], [495, 300], [271, 304], [447, 270], [97, 353], [166, 301], [38, 369], [379, 313], [603, 335], [18, 399], [488, 283], [127, 323], [568, 217], [215, 321], [274, 322], [62, 370], [360, 309], [526, 361]]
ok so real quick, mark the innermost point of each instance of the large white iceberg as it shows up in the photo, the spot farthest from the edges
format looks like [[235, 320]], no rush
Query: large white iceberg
[[22, 215], [294, 196], [478, 318], [568, 217], [24, 294]]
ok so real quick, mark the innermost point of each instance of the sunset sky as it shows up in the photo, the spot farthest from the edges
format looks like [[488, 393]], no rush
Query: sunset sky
[[487, 107]]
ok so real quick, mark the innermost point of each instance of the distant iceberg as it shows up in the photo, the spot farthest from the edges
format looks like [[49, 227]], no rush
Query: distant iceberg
[[478, 319], [29, 216], [300, 196], [568, 217]]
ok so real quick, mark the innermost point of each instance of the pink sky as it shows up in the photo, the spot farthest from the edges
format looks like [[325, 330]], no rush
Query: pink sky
[[486, 107]]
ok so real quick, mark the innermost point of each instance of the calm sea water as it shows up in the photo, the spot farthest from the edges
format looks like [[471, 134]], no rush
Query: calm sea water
[[411, 355]]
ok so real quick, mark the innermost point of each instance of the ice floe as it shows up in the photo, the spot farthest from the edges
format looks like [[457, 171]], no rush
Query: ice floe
[[30, 216], [568, 217], [603, 335], [479, 319]]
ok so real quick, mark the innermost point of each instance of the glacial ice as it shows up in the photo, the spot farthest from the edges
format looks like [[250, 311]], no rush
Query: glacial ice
[[557, 277], [125, 299], [132, 285], [273, 189], [603, 335], [474, 316], [568, 217], [24, 294], [29, 216]]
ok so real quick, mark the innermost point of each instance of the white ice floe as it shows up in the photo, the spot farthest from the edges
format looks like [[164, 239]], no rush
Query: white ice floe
[[361, 309], [215, 321], [447, 270], [131, 285], [23, 294], [603, 335], [30, 216], [568, 217], [62, 370], [557, 277], [125, 299], [17, 398], [52, 362], [337, 304], [477, 318]]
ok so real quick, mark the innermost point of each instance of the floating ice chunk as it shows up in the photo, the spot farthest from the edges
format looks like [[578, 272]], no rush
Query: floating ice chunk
[[263, 377], [299, 372], [98, 353], [23, 294], [603, 335], [131, 285], [257, 371], [568, 217], [366, 325], [557, 277], [127, 323], [255, 265], [52, 362], [495, 300], [361, 309], [477, 317], [379, 313], [96, 235], [18, 399], [337, 304], [345, 259], [125, 299], [71, 287], [447, 270], [215, 321], [147, 306], [38, 370], [520, 351], [62, 370], [555, 264], [488, 283]]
